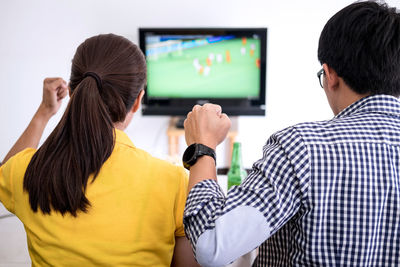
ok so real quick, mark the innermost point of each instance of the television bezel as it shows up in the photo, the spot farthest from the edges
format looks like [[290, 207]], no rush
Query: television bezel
[[231, 106]]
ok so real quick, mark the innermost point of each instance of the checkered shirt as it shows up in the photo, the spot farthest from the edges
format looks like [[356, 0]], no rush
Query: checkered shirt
[[330, 191]]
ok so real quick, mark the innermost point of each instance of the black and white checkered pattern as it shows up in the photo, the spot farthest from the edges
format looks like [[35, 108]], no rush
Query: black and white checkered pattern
[[329, 190]]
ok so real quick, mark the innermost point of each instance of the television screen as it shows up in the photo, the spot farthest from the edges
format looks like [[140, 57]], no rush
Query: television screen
[[189, 66]]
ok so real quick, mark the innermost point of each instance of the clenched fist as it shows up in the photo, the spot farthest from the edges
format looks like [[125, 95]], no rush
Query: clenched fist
[[206, 125], [54, 90]]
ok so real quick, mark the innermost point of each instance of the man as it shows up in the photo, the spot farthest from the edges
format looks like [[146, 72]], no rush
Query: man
[[324, 193]]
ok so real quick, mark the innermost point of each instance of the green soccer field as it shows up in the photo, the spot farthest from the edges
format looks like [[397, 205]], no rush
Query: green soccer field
[[176, 74]]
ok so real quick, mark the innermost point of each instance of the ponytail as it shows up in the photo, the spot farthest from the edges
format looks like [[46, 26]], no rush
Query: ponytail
[[107, 74], [57, 176]]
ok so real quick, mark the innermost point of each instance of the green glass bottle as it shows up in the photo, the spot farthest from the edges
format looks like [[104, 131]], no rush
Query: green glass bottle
[[236, 173]]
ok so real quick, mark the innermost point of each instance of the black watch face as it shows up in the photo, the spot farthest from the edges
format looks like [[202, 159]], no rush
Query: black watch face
[[194, 151], [189, 153]]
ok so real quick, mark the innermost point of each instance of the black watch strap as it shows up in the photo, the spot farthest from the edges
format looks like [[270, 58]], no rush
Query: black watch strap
[[195, 151]]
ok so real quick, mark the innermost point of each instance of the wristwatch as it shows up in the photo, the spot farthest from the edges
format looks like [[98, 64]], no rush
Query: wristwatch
[[195, 151]]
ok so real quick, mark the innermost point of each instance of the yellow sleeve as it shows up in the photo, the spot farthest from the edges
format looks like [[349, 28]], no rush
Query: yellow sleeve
[[181, 201], [11, 175], [6, 186]]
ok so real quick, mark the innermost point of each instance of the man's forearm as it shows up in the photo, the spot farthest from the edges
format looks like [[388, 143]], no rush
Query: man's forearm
[[203, 169], [32, 134]]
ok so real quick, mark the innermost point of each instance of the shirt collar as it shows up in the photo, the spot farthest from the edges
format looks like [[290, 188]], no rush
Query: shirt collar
[[122, 138], [386, 104]]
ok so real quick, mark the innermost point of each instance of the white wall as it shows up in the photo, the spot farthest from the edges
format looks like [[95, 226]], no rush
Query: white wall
[[39, 38]]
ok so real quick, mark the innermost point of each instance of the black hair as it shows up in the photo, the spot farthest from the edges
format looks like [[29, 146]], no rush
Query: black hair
[[362, 44]]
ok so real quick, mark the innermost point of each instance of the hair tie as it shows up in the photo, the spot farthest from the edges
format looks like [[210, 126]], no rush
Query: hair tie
[[94, 76]]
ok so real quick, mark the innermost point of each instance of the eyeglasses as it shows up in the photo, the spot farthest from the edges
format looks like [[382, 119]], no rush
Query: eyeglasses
[[319, 75]]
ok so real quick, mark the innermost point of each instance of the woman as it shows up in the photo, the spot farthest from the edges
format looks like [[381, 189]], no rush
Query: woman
[[88, 196]]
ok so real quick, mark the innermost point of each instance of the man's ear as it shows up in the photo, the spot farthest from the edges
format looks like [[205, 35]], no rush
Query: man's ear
[[331, 79], [138, 100]]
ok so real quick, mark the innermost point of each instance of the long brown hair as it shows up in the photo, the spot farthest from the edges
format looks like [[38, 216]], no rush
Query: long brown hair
[[107, 74]]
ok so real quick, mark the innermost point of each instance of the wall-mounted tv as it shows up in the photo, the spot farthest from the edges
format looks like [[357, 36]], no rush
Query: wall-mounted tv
[[188, 66]]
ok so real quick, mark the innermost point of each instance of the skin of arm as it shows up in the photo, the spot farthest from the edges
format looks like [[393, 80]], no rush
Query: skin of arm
[[54, 90], [183, 254], [205, 125]]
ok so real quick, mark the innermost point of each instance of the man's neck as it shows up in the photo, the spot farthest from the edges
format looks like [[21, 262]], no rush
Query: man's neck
[[345, 98]]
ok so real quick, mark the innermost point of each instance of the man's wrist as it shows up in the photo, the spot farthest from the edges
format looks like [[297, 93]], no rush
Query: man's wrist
[[212, 145], [196, 151], [203, 169], [205, 160]]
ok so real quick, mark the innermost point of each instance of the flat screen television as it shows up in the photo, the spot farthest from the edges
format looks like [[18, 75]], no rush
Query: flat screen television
[[188, 66]]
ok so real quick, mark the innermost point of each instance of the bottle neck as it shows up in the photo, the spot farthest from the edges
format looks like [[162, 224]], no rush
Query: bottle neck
[[236, 155]]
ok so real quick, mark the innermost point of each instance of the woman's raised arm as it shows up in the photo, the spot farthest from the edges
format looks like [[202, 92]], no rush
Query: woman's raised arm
[[54, 90]]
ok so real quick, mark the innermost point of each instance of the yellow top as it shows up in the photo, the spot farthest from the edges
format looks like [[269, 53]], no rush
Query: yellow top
[[136, 211]]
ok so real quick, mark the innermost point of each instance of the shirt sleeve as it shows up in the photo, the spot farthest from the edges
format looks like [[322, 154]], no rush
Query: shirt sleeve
[[222, 229], [180, 201], [6, 187], [11, 175]]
